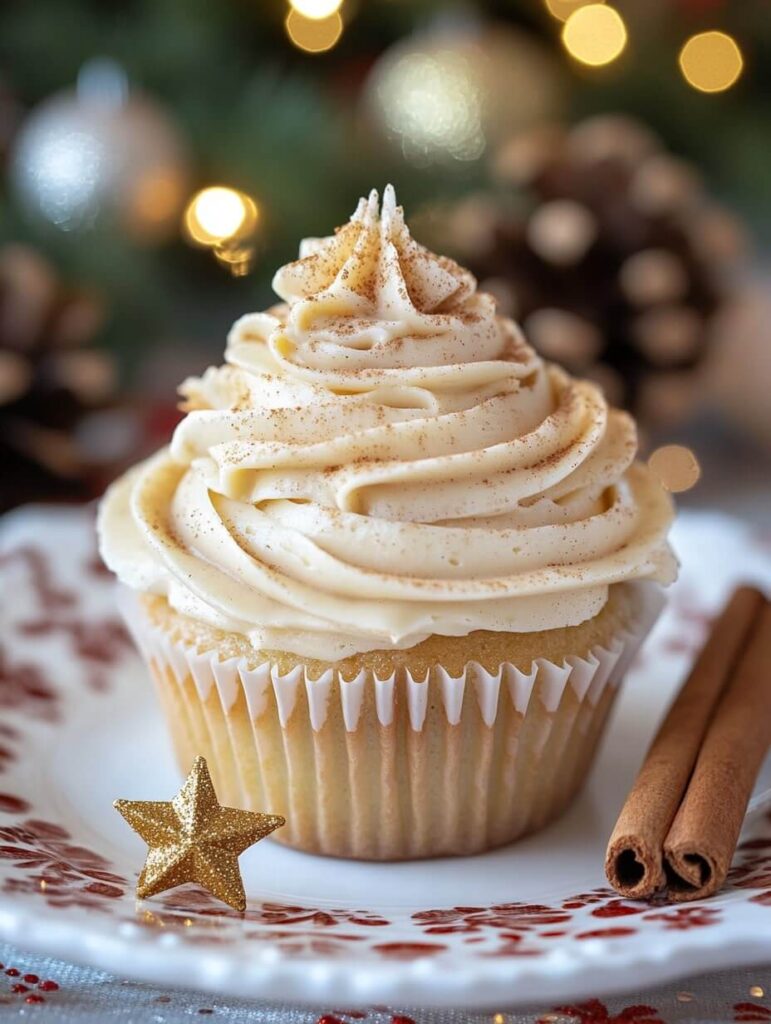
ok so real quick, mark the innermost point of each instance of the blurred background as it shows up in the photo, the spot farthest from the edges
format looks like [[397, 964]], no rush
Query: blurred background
[[603, 168]]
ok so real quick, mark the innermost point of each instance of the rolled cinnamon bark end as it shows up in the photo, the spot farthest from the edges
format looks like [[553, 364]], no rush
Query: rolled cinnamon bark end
[[633, 866], [692, 873], [635, 862]]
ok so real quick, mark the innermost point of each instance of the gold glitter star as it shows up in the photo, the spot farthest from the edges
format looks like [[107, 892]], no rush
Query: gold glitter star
[[194, 839]]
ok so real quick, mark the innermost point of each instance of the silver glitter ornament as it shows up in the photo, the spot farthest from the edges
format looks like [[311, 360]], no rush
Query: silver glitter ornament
[[101, 156]]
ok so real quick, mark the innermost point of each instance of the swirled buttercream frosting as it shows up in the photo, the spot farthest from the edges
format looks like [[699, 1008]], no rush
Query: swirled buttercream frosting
[[382, 458]]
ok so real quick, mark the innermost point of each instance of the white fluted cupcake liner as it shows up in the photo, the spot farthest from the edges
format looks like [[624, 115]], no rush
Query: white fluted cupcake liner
[[397, 767]]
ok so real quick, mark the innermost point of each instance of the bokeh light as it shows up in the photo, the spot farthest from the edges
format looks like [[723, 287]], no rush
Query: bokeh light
[[449, 93], [594, 34], [434, 102], [157, 200], [676, 467], [561, 231], [711, 61], [562, 9], [217, 214], [237, 257], [316, 9], [313, 34]]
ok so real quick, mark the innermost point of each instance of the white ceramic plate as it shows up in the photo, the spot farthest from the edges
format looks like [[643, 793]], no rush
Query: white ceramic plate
[[79, 727]]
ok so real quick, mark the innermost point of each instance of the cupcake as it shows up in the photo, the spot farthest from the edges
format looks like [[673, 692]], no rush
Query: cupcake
[[391, 569]]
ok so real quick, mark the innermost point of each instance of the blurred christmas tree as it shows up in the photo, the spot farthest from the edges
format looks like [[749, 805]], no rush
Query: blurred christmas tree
[[297, 116]]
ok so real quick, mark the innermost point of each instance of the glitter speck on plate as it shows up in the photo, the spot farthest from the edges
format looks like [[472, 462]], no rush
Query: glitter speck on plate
[[757, 991], [676, 467], [685, 997]]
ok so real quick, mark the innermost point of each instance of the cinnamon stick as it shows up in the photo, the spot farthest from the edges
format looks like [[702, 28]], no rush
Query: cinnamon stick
[[703, 836], [678, 828]]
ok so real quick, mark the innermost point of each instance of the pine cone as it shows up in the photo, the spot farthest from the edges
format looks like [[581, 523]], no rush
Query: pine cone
[[606, 250], [51, 382]]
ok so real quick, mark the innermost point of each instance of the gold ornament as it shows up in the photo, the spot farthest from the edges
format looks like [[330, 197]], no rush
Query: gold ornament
[[192, 838]]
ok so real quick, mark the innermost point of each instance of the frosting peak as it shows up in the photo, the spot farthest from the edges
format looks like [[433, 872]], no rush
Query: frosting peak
[[374, 263], [381, 458], [370, 296]]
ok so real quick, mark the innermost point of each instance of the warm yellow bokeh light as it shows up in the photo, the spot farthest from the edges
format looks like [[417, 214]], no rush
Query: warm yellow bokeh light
[[676, 467], [711, 61], [562, 9], [237, 257], [314, 35], [316, 9], [218, 213], [594, 35]]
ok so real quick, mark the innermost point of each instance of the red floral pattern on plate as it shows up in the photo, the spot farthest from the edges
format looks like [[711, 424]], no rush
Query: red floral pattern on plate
[[62, 873], [683, 918]]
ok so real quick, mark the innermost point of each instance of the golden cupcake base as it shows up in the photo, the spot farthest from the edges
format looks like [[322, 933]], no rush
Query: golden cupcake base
[[433, 763]]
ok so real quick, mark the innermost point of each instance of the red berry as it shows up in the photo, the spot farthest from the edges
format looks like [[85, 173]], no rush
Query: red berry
[[34, 998], [19, 988], [48, 986], [32, 979], [13, 972]]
